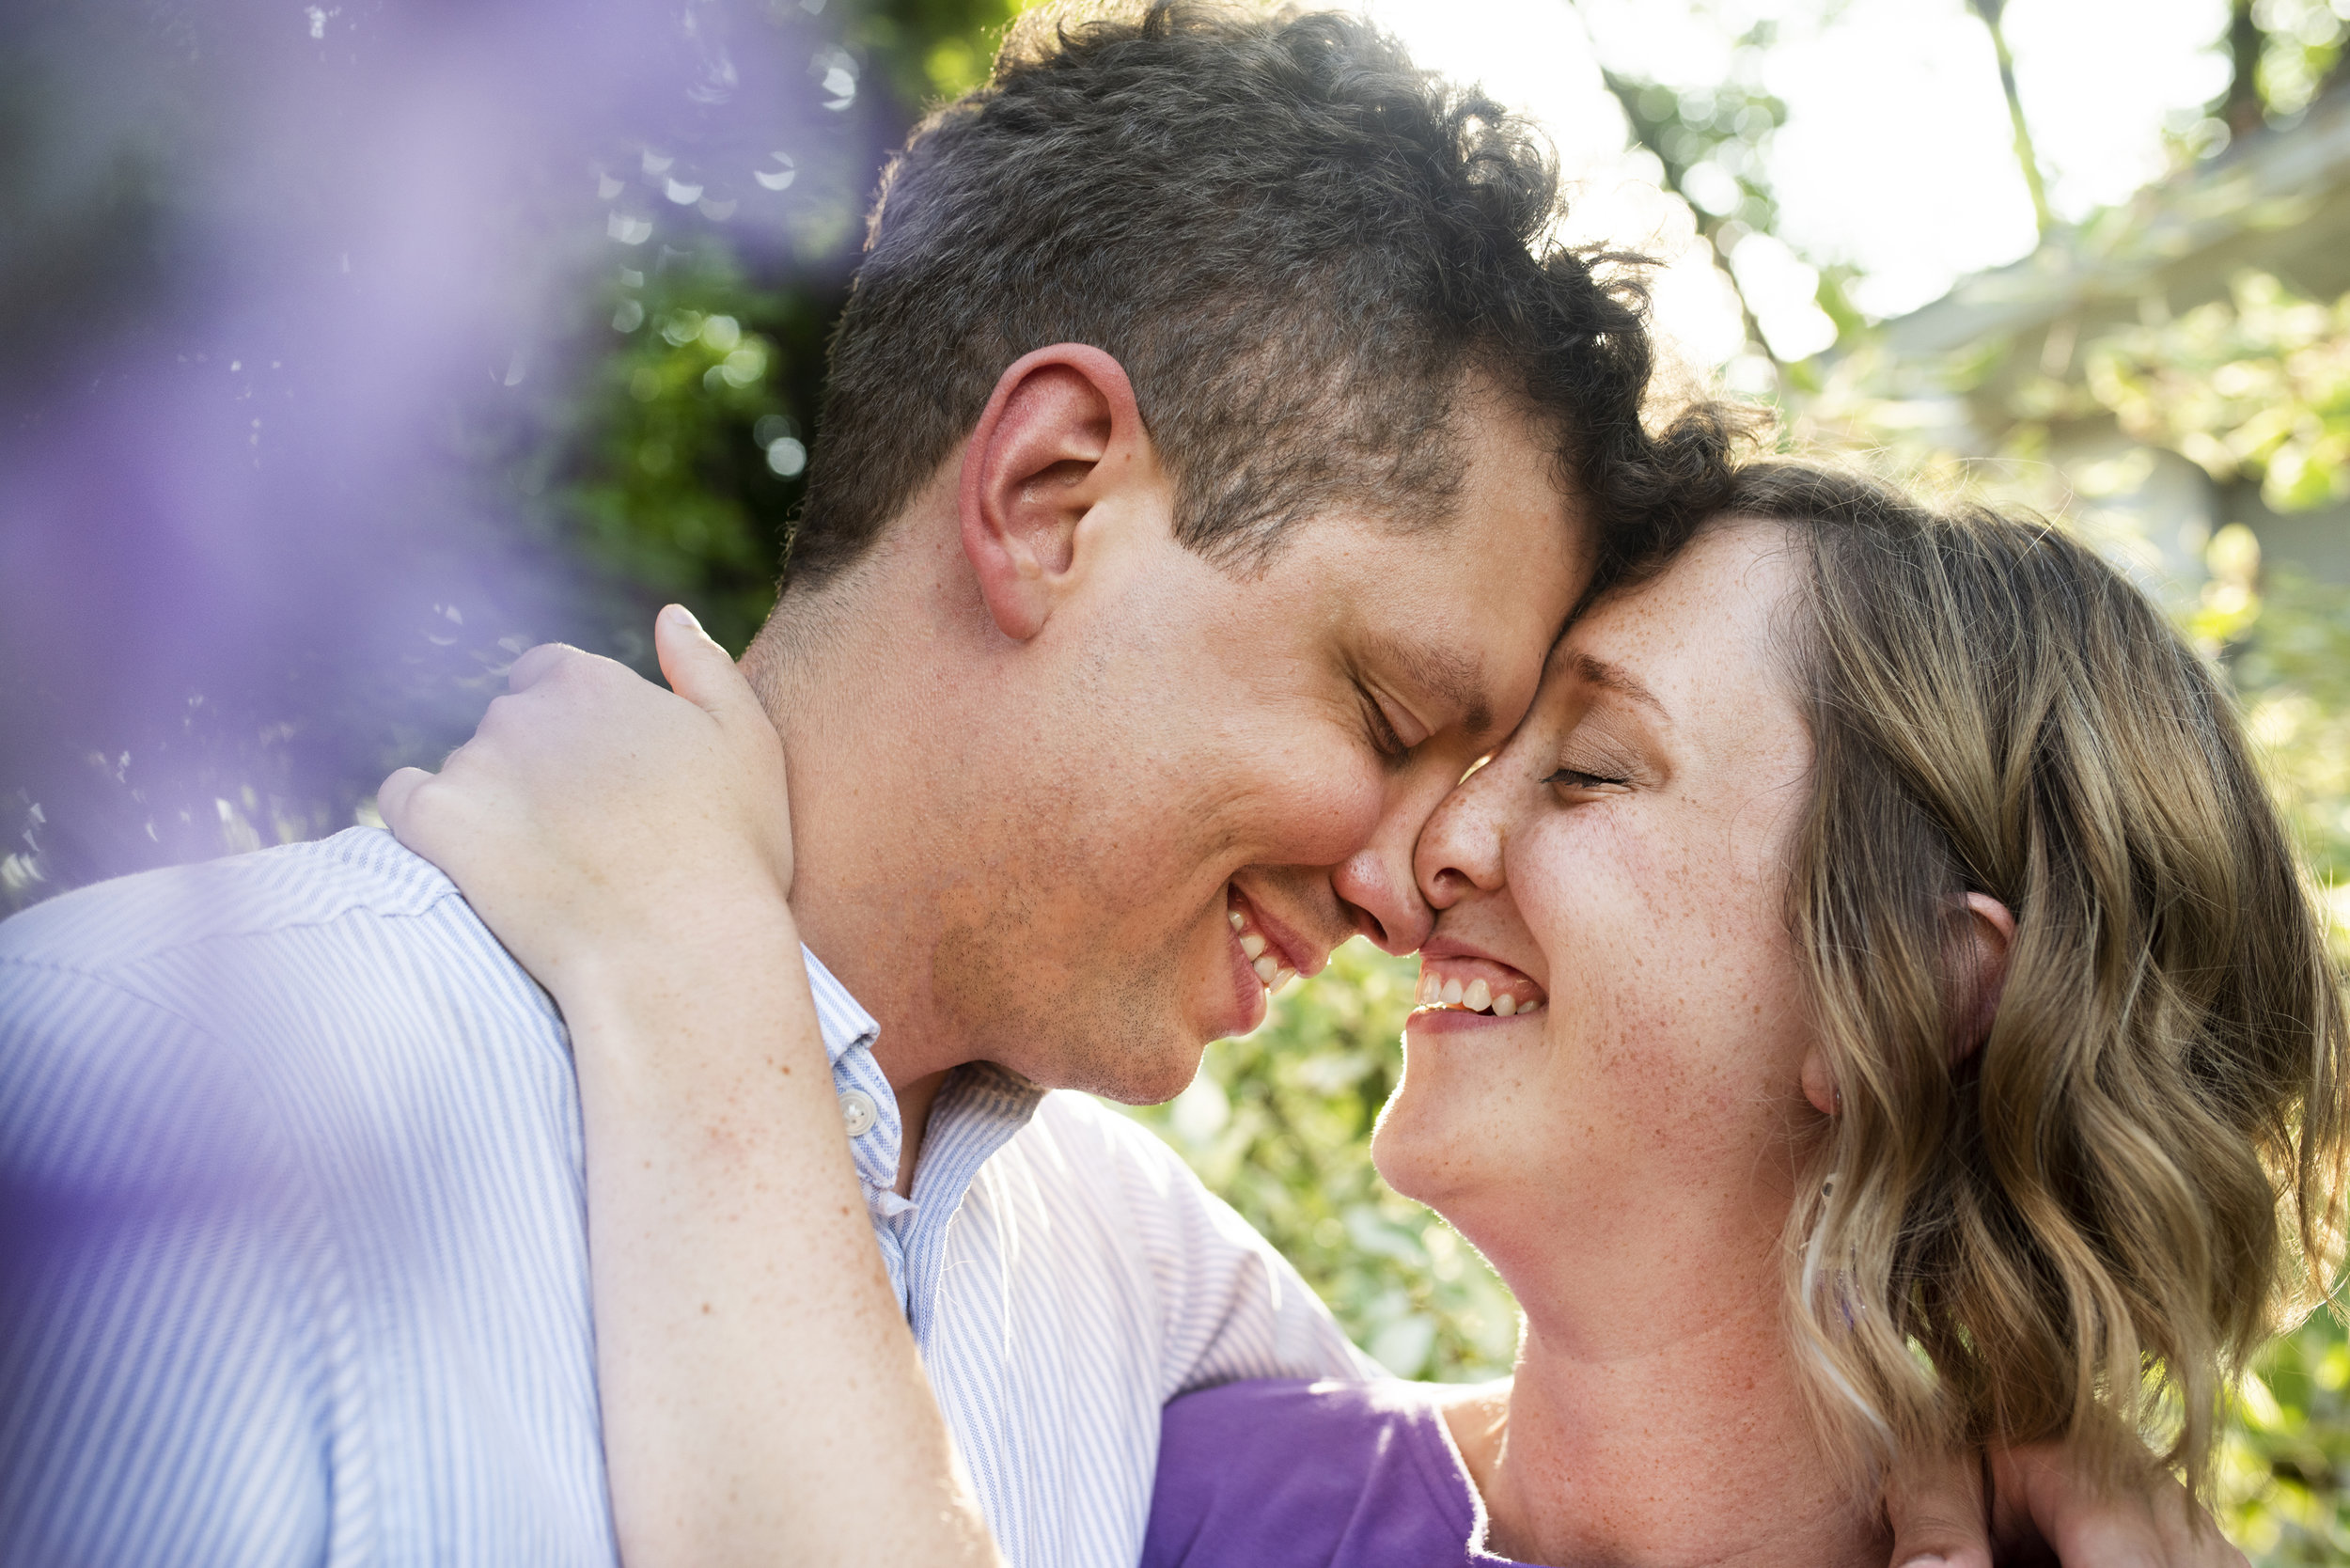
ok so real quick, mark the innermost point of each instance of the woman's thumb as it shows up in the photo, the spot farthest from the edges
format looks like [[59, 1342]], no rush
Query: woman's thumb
[[696, 669]]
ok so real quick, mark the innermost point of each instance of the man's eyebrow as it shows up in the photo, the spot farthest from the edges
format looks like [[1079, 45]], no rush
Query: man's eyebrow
[[1451, 677], [1615, 678]]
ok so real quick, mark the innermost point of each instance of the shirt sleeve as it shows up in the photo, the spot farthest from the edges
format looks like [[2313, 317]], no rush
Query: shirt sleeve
[[1231, 1306], [162, 1391]]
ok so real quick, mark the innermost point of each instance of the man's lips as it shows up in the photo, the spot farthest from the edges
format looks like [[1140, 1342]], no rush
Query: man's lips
[[1273, 950], [1469, 982]]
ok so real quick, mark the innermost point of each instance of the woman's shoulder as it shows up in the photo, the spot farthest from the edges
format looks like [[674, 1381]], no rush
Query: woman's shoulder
[[1279, 1472], [1358, 1413]]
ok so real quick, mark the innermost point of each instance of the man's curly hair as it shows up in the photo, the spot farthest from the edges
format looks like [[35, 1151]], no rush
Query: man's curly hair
[[1296, 243]]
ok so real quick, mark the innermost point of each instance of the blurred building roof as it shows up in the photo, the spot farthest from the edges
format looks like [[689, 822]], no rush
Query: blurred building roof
[[2277, 201]]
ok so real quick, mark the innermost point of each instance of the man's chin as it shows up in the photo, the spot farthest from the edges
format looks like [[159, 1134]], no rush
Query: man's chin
[[1131, 1072], [1152, 1084], [1133, 1040]]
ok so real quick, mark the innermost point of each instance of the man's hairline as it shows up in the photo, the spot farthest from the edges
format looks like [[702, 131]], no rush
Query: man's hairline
[[1479, 387]]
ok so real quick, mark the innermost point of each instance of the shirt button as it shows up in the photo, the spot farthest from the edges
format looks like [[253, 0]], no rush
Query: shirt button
[[857, 1113]]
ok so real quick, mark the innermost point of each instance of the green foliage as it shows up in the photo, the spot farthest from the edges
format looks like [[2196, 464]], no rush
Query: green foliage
[[675, 464], [2300, 50], [1279, 1123], [932, 50], [2286, 1458], [676, 469], [1711, 143], [2290, 641], [2257, 385]]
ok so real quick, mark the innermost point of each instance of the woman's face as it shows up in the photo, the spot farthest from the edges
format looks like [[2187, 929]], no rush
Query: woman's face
[[1620, 869]]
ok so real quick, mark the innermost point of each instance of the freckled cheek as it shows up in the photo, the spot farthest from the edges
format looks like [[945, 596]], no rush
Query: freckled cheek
[[1635, 969], [1584, 888]]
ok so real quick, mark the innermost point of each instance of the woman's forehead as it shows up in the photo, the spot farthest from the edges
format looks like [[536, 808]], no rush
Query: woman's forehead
[[1712, 614]]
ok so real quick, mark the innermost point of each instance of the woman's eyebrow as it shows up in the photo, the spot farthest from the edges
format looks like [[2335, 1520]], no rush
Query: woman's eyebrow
[[1615, 678]]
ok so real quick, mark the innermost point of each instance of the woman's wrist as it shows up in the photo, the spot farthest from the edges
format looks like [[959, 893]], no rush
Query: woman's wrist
[[737, 952]]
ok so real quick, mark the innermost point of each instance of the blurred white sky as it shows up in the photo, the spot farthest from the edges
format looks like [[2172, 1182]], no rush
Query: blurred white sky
[[1896, 155]]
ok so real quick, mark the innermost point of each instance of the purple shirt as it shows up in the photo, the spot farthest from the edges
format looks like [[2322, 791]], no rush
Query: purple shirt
[[1310, 1475]]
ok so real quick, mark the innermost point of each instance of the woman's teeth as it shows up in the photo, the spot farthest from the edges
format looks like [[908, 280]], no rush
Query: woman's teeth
[[1476, 996], [1271, 974]]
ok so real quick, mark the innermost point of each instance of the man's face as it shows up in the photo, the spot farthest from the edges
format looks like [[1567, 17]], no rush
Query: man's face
[[1227, 766]]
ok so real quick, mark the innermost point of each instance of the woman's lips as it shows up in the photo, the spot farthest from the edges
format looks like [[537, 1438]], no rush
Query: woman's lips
[[1465, 984]]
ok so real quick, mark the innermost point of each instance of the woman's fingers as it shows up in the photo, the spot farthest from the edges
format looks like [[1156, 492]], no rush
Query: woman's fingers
[[2042, 1496], [698, 669], [394, 797], [538, 662], [1936, 1510]]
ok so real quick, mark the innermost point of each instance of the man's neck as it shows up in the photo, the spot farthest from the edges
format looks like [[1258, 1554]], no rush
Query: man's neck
[[859, 901], [914, 1121]]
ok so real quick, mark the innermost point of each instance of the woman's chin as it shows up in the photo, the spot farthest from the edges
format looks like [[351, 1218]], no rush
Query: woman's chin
[[1420, 1151]]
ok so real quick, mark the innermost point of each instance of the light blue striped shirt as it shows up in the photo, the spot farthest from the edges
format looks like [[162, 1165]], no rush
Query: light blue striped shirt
[[293, 1249]]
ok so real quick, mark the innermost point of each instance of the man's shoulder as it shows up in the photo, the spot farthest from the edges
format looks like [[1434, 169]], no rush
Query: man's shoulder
[[1084, 1157], [336, 988], [115, 926], [1074, 1132]]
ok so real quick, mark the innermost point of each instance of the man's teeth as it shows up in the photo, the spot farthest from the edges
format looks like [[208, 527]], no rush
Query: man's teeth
[[1477, 997], [1271, 972]]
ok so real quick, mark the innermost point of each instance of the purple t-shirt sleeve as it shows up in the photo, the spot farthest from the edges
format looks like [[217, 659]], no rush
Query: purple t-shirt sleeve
[[1308, 1475]]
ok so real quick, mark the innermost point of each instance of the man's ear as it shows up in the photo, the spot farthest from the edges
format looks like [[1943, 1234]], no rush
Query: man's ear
[[1062, 432], [1982, 935]]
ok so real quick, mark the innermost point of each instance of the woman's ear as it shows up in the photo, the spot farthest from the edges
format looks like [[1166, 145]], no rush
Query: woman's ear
[[1060, 434], [1982, 935], [1819, 1084]]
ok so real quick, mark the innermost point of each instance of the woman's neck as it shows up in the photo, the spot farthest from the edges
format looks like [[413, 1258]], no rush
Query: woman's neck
[[1667, 1436]]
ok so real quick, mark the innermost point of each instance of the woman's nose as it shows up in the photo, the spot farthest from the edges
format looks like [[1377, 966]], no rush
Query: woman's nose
[[1461, 848]]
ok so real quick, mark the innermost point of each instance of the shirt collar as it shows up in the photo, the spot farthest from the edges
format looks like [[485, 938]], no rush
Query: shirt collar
[[977, 1110], [839, 1018]]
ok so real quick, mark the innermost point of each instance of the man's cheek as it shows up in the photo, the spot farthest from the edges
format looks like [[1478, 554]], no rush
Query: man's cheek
[[1329, 812]]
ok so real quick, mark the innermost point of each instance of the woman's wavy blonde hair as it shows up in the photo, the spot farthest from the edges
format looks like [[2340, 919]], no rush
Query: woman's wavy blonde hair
[[2082, 1229]]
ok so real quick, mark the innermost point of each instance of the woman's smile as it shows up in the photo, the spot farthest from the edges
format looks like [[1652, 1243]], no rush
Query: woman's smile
[[1472, 983]]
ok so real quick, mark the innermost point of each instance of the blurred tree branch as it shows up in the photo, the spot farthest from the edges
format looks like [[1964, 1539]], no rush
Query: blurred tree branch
[[2241, 108], [2027, 156]]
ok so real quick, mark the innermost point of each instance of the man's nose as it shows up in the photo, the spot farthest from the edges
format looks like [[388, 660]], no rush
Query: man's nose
[[1377, 883]]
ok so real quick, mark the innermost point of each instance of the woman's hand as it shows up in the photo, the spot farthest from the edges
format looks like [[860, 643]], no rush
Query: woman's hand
[[2045, 1511], [594, 816], [762, 1399]]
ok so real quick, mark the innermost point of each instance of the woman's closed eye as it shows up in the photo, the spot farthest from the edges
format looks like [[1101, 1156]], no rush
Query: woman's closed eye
[[1578, 778]]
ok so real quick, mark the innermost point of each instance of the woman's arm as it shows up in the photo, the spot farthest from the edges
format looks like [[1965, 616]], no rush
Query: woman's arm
[[762, 1399]]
